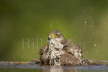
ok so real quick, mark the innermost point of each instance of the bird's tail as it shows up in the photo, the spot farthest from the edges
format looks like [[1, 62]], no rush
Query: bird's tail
[[98, 62], [94, 62]]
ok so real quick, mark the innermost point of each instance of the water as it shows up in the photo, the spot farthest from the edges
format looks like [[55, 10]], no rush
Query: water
[[37, 68]]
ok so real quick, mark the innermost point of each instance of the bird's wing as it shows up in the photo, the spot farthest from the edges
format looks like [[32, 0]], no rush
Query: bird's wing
[[70, 47], [68, 59], [43, 49], [44, 55]]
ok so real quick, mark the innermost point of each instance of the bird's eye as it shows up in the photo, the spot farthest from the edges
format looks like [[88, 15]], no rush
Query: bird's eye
[[58, 35]]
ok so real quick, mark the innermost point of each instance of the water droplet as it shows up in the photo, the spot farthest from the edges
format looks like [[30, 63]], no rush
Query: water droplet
[[85, 22], [95, 45]]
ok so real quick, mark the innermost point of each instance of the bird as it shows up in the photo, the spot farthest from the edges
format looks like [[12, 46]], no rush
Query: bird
[[60, 51]]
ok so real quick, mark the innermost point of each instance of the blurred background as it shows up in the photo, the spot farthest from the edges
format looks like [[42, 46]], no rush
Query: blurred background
[[25, 24]]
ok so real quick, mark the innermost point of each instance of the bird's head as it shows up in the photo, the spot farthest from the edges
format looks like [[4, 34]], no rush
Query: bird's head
[[55, 35]]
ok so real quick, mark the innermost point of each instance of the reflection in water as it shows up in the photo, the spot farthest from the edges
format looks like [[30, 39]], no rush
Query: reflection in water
[[56, 69], [59, 69], [4, 67]]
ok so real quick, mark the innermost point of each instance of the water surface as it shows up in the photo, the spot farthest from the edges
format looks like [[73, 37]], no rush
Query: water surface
[[38, 68]]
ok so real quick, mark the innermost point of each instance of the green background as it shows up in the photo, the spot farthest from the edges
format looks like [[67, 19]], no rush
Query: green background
[[25, 24]]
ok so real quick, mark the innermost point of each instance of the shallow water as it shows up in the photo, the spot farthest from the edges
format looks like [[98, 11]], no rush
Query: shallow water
[[4, 67]]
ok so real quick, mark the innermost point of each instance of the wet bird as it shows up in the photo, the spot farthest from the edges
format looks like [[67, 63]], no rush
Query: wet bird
[[60, 51]]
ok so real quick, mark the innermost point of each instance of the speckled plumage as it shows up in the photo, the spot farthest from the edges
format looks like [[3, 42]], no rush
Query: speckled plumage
[[60, 51]]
